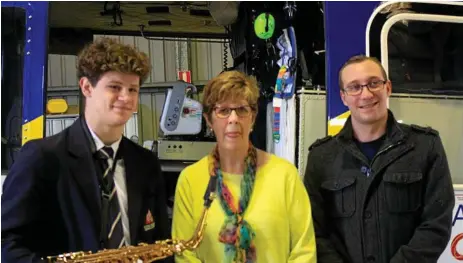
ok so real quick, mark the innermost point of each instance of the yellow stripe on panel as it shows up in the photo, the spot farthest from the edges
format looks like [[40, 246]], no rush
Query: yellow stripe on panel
[[335, 125], [33, 129]]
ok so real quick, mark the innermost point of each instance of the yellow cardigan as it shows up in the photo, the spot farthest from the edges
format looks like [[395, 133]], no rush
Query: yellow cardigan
[[279, 213]]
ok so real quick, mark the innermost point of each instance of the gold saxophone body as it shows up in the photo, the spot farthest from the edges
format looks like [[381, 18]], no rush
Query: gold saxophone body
[[144, 252]]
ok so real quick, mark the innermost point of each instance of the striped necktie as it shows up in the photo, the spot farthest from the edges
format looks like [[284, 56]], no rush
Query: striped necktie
[[114, 232]]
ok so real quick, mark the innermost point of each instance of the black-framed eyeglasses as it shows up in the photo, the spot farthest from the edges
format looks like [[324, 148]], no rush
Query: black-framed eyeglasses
[[356, 89], [225, 112]]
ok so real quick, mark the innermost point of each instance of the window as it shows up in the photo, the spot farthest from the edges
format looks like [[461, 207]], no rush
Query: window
[[421, 45], [421, 48], [13, 35], [426, 57]]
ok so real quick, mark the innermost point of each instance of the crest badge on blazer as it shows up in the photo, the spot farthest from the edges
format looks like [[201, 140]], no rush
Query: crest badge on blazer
[[149, 221]]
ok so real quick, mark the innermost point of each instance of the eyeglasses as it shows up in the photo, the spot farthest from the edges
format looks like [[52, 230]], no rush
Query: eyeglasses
[[225, 112], [372, 86]]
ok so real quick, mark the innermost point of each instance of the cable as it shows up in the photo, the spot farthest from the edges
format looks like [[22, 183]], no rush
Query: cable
[[178, 39], [225, 56]]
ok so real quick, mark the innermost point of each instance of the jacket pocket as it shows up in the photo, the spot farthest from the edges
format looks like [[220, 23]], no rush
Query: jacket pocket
[[403, 191], [339, 195]]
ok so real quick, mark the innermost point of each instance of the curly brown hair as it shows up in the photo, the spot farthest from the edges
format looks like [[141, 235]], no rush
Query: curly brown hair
[[230, 85], [107, 54]]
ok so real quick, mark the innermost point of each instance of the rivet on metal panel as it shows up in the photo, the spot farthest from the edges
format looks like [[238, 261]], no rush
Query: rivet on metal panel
[[30, 17], [28, 53], [28, 41], [29, 28]]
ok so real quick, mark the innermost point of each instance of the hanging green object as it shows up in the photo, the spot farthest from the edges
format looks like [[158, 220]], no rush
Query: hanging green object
[[264, 26]]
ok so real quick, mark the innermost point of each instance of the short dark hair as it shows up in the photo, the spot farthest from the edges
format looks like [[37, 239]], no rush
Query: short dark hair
[[107, 54], [360, 59]]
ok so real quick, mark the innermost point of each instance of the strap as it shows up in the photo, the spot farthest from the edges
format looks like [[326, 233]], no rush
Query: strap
[[210, 189], [319, 142], [425, 130]]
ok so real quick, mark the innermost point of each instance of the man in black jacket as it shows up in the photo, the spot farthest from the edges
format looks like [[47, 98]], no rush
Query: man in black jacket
[[87, 188], [381, 191]]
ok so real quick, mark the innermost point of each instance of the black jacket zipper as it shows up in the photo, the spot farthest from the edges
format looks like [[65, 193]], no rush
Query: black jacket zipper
[[379, 153]]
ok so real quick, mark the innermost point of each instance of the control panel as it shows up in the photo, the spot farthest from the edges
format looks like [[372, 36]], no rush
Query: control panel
[[183, 150]]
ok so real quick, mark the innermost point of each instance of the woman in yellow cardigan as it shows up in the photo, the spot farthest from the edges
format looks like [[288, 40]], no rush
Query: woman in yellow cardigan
[[262, 211]]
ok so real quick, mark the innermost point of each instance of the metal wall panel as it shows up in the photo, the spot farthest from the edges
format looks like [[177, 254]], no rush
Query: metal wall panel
[[312, 123], [57, 123], [62, 71], [131, 128], [156, 54], [150, 110], [207, 60]]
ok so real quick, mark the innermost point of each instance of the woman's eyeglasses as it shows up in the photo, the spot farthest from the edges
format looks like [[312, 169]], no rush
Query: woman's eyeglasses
[[225, 112]]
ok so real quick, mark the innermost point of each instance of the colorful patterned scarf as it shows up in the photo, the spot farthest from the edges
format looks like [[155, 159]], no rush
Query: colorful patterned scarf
[[236, 233]]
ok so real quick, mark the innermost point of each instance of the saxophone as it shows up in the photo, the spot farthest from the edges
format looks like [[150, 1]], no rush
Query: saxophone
[[144, 252]]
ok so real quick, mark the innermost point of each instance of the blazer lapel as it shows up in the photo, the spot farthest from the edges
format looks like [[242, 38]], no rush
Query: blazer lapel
[[83, 169], [134, 182]]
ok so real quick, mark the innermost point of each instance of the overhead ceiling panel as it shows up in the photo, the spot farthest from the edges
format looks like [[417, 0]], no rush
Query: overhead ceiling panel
[[130, 15]]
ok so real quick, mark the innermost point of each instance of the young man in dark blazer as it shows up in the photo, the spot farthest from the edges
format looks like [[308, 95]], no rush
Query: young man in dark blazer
[[88, 188]]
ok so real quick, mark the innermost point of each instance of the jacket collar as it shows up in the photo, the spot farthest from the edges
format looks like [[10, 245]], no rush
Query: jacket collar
[[85, 140], [80, 142], [99, 143], [394, 132]]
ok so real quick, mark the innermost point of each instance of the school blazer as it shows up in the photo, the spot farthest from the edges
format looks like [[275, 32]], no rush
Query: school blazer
[[51, 199]]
